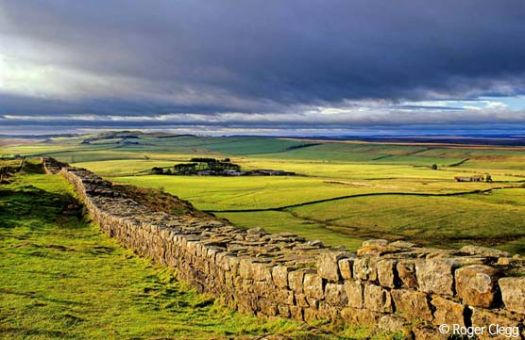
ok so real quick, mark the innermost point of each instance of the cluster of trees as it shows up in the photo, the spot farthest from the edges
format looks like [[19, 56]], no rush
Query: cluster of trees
[[215, 167], [10, 157], [200, 166], [205, 168], [209, 160], [160, 171]]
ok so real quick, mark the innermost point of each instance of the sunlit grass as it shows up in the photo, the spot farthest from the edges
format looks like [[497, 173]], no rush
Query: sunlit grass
[[491, 219], [277, 221], [61, 278]]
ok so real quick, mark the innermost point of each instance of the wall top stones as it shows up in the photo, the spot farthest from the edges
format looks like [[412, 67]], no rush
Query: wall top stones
[[396, 285]]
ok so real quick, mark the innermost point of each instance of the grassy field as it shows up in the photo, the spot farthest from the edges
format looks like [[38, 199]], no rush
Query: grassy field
[[273, 221], [61, 278], [339, 174], [488, 220]]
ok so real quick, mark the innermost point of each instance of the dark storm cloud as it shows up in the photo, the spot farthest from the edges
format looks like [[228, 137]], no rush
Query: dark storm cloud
[[151, 57]]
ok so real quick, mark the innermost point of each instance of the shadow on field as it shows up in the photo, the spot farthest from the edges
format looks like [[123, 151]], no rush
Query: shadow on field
[[33, 207], [42, 297], [33, 332]]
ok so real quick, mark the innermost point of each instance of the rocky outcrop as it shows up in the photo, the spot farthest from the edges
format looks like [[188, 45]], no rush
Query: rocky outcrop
[[394, 285]]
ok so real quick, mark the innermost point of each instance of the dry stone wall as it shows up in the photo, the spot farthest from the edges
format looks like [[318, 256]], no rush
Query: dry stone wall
[[391, 285]]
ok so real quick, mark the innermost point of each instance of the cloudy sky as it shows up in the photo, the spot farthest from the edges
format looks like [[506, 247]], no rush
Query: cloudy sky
[[248, 66]]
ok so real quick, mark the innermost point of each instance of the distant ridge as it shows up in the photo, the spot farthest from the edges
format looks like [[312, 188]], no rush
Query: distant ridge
[[512, 140]]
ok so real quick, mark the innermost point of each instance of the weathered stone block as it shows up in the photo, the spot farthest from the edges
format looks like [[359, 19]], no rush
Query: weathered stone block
[[314, 303], [247, 285], [335, 294], [447, 311], [327, 265], [377, 299], [313, 285], [364, 269], [245, 306], [297, 313], [401, 245], [513, 293], [406, 270], [237, 282], [327, 312], [428, 333], [234, 264], [295, 280], [191, 247], [245, 269], [502, 324], [372, 247], [310, 315], [280, 276], [391, 323], [345, 268], [385, 272], [504, 261], [435, 276], [262, 272], [476, 285], [221, 262], [284, 311], [284, 296], [262, 288], [357, 316], [483, 251], [354, 293], [375, 242], [267, 307], [300, 300], [412, 304], [228, 280]]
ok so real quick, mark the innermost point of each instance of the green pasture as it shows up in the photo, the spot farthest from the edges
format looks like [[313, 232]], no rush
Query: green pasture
[[326, 170], [125, 167], [511, 165], [257, 192], [330, 170], [491, 218], [371, 171], [260, 192], [364, 152], [279, 221], [33, 149]]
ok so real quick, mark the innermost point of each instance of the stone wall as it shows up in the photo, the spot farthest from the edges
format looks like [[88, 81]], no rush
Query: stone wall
[[394, 285]]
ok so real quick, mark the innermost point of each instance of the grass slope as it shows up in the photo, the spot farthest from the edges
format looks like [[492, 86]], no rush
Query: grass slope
[[60, 278]]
